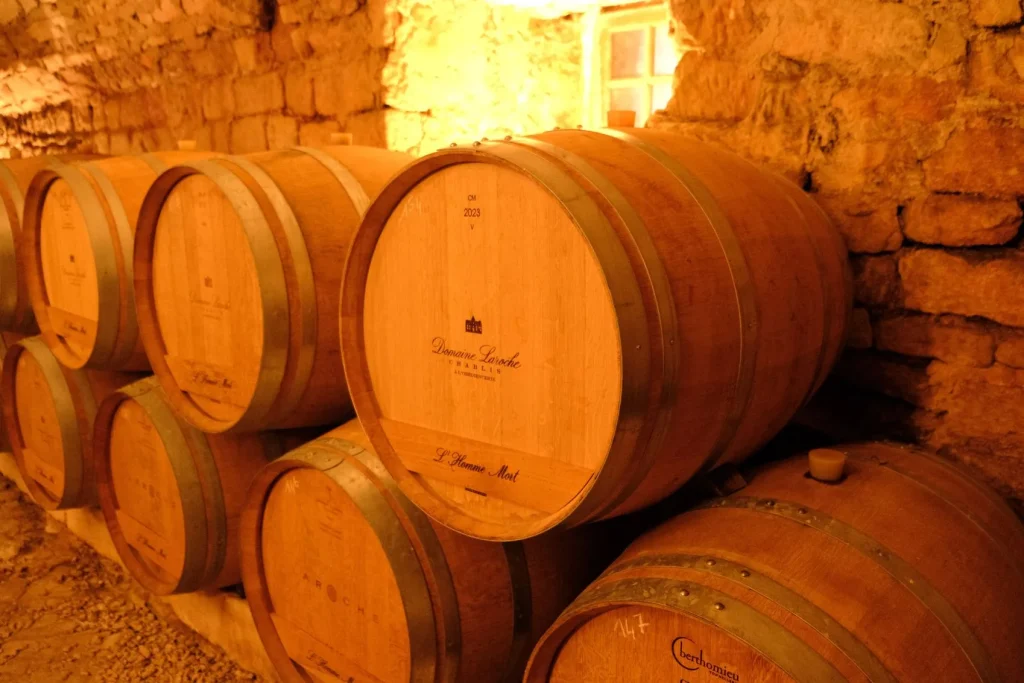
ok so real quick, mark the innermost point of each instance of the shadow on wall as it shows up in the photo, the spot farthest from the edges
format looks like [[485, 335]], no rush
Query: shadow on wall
[[127, 77]]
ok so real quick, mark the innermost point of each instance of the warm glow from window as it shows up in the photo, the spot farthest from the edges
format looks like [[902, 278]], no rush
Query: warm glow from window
[[631, 62]]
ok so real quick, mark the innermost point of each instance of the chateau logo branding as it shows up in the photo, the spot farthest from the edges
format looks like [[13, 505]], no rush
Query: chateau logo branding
[[474, 326], [485, 363], [691, 657]]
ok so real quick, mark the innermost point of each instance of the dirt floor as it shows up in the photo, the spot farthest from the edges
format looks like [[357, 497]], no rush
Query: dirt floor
[[68, 614]]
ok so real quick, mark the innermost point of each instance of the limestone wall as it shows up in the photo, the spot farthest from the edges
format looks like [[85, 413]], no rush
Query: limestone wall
[[116, 76], [906, 120]]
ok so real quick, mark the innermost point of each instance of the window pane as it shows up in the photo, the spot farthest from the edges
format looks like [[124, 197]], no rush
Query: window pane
[[666, 57], [660, 95], [629, 54], [630, 99]]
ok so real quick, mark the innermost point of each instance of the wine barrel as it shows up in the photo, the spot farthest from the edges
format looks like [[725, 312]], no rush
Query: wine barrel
[[15, 174], [79, 228], [171, 495], [48, 413], [7, 339], [906, 570], [347, 580], [556, 329], [254, 243]]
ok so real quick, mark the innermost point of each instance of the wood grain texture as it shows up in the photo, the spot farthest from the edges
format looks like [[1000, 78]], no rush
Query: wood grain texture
[[172, 495], [906, 570], [347, 580], [79, 226], [15, 175], [253, 243], [48, 413], [628, 303]]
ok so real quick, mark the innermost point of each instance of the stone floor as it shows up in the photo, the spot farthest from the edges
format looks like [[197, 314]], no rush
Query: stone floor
[[69, 615]]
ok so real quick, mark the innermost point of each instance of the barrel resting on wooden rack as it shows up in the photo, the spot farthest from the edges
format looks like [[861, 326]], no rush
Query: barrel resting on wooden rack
[[906, 570], [566, 327], [76, 256], [347, 580], [48, 413], [254, 243], [171, 495], [15, 175]]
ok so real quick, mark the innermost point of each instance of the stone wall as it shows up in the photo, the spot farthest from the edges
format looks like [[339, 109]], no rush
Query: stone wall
[[116, 76], [906, 120]]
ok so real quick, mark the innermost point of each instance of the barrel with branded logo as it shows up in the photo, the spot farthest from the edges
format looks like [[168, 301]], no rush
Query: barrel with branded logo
[[76, 253], [254, 244], [556, 329], [48, 413], [15, 175], [348, 581], [171, 495], [906, 570]]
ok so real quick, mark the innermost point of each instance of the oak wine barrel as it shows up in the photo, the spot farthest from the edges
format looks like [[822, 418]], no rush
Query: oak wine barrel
[[566, 327], [7, 339], [171, 495], [15, 175], [905, 570], [76, 254], [347, 580], [48, 413], [254, 243]]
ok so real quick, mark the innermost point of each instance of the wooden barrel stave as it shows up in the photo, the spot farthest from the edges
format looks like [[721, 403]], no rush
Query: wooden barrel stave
[[172, 496], [687, 238], [79, 275], [15, 177], [48, 413], [902, 567], [468, 611], [297, 209]]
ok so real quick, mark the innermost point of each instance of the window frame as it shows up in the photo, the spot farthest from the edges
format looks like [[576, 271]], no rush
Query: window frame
[[598, 26]]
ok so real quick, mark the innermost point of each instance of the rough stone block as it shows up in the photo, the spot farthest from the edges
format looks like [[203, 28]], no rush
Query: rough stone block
[[298, 91], [254, 53], [120, 144], [868, 225], [259, 94], [985, 161], [282, 132], [218, 100], [961, 220], [318, 133], [854, 31], [113, 114], [1011, 348], [345, 89], [101, 143], [947, 338], [995, 12], [876, 280], [860, 336], [220, 136], [967, 283], [249, 135], [717, 90]]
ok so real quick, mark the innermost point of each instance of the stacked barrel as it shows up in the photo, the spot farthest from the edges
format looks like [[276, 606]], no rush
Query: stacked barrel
[[536, 335]]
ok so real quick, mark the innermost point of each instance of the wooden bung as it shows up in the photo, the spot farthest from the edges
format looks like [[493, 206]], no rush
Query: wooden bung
[[253, 244], [567, 327], [15, 175], [76, 254], [171, 495], [909, 570], [348, 581], [48, 413]]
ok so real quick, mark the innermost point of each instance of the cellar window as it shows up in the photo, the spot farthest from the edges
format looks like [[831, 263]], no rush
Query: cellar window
[[630, 56]]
